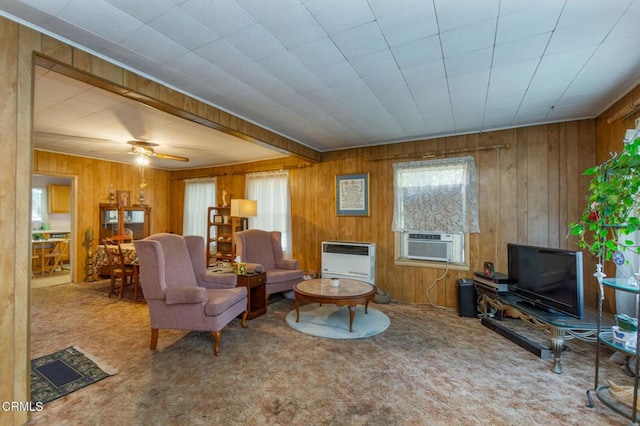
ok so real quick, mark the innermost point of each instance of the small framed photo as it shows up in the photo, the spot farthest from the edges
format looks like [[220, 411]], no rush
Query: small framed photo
[[217, 218], [352, 195], [124, 198]]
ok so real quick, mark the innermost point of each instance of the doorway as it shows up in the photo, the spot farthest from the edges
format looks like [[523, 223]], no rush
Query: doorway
[[52, 230]]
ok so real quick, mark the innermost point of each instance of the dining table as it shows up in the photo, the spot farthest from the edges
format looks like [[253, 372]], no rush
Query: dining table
[[100, 258]]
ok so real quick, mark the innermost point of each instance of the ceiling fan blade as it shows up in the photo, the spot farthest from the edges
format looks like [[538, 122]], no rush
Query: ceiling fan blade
[[132, 121], [170, 157]]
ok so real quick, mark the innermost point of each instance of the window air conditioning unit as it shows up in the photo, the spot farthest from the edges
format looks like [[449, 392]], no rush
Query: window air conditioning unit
[[429, 246]]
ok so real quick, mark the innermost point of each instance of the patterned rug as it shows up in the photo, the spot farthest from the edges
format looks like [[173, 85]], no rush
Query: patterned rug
[[63, 372], [332, 322]]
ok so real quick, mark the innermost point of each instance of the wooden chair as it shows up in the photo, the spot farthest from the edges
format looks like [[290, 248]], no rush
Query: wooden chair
[[119, 239], [120, 271], [53, 258]]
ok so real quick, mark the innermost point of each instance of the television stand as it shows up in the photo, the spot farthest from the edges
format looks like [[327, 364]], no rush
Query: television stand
[[558, 327]]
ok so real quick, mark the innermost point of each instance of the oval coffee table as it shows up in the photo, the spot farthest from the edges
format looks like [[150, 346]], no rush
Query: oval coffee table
[[349, 292]]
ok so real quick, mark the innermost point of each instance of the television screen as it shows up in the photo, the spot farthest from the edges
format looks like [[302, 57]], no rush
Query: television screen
[[549, 278]]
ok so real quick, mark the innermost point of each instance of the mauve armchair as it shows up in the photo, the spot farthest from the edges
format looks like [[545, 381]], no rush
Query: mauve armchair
[[262, 251], [179, 291]]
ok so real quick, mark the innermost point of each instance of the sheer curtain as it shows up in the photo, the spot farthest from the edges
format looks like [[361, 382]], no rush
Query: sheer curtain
[[436, 195], [199, 194], [271, 191], [39, 208]]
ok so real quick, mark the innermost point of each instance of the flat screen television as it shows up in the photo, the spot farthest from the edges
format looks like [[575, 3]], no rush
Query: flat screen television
[[550, 279]]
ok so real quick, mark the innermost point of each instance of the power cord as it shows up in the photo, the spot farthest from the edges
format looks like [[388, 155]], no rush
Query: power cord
[[444, 274]]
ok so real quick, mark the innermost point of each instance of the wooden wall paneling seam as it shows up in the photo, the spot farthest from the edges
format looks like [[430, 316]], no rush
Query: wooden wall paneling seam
[[553, 195]]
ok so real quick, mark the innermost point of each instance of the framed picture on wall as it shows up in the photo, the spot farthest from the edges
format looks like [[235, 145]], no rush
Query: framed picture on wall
[[352, 195], [124, 198]]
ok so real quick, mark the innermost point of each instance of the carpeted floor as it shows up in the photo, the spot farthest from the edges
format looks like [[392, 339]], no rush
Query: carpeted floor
[[430, 367]]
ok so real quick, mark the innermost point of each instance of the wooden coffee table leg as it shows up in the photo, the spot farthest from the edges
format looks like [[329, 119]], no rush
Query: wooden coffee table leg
[[297, 305], [352, 313]]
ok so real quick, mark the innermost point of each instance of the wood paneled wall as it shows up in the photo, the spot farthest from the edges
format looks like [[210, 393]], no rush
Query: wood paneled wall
[[528, 193], [93, 179]]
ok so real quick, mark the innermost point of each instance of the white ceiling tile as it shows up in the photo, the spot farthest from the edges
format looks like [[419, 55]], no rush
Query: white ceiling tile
[[360, 41], [283, 64], [511, 82], [337, 74], [409, 24], [151, 44], [294, 27], [520, 50], [528, 22], [469, 63], [53, 7], [417, 52], [144, 12], [306, 82], [385, 7], [223, 17], [577, 37], [193, 65], [338, 15], [102, 19], [563, 67], [319, 53], [468, 38], [221, 53], [255, 42], [459, 13], [508, 7], [422, 75], [183, 28], [262, 10], [627, 26], [469, 88], [580, 12], [381, 62]]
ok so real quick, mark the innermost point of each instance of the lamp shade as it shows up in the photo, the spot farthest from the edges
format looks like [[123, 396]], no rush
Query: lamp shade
[[244, 208]]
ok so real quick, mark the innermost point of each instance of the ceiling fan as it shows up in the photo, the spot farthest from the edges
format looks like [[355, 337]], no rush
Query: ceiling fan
[[145, 149]]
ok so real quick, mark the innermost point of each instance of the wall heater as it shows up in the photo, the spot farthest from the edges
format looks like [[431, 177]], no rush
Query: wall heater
[[346, 259]]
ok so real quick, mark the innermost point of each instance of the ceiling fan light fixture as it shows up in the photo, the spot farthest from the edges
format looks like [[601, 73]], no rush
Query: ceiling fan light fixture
[[142, 160]]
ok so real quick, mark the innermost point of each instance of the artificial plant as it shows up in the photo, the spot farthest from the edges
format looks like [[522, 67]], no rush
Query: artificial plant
[[612, 205]]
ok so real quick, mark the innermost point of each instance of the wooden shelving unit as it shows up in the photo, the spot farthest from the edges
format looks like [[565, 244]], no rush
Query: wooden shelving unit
[[220, 229], [114, 220]]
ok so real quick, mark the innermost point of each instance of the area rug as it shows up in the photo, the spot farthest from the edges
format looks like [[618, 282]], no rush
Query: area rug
[[332, 322], [60, 373]]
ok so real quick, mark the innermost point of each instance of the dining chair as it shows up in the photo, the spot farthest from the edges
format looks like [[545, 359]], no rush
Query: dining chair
[[120, 271]]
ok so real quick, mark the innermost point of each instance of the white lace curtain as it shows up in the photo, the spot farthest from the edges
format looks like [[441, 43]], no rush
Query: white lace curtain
[[199, 194], [436, 195], [271, 191]]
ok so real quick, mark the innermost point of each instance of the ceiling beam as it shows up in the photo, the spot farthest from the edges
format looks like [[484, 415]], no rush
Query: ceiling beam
[[243, 129]]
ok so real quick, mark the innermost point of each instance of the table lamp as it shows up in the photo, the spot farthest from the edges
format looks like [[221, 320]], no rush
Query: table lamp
[[244, 209]]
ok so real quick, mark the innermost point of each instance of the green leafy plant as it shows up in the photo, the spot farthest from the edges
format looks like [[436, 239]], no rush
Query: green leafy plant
[[612, 205]]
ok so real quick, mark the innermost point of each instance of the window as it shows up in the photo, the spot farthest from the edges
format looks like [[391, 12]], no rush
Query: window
[[271, 191], [199, 195], [436, 198], [39, 209]]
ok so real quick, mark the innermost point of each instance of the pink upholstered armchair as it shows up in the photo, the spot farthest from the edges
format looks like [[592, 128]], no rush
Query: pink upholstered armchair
[[262, 251], [180, 293]]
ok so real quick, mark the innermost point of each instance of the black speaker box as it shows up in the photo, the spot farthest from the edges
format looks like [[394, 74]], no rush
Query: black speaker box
[[467, 298]]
